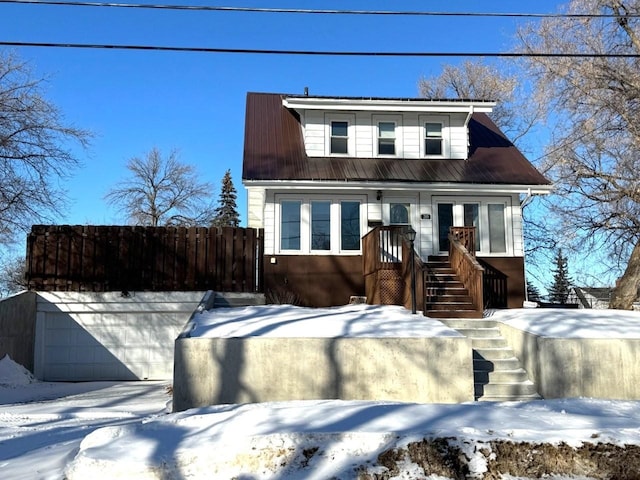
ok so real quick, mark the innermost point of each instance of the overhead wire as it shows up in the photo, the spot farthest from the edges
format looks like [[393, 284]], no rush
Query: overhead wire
[[315, 11], [315, 52]]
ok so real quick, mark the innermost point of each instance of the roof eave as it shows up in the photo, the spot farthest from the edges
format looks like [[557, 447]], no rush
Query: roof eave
[[436, 187], [388, 104]]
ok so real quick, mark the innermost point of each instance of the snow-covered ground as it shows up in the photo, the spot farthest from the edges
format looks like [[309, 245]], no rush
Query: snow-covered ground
[[107, 430]]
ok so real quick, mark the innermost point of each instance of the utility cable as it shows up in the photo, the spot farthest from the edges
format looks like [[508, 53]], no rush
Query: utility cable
[[317, 11]]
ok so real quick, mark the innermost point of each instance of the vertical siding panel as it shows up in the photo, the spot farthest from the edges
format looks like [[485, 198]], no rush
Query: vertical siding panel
[[75, 258], [191, 260], [182, 258], [212, 259], [229, 259]]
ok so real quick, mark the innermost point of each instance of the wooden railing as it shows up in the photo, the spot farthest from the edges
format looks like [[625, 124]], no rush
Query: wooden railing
[[419, 277], [495, 287], [466, 236], [468, 269], [382, 249], [387, 261]]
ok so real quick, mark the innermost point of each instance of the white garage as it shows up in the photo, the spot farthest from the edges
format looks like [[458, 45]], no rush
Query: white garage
[[109, 336]]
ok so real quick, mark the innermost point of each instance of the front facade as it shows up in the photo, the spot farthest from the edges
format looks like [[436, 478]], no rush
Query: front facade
[[322, 173]]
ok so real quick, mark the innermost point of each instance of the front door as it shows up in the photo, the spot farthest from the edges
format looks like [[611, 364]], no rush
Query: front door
[[454, 214], [489, 215]]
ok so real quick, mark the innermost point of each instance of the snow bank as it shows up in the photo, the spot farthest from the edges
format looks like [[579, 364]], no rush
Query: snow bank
[[13, 374], [329, 438], [298, 322], [572, 323]]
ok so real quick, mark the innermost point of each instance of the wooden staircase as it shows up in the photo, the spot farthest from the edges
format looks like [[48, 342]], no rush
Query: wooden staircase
[[445, 295]]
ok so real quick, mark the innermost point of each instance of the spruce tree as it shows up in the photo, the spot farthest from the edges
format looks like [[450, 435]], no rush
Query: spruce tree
[[533, 294], [226, 214], [559, 291]]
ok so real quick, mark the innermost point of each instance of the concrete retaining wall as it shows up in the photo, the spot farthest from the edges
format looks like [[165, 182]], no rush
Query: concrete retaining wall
[[17, 328], [578, 367], [211, 371]]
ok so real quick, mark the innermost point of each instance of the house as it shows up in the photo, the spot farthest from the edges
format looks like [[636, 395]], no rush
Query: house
[[336, 182], [590, 297]]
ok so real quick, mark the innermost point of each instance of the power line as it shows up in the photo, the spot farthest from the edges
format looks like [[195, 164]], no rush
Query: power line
[[317, 11], [316, 52]]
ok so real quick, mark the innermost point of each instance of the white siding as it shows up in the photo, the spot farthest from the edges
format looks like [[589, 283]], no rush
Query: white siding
[[518, 232], [255, 207], [459, 145], [269, 224], [314, 131], [424, 217], [364, 135], [410, 133]]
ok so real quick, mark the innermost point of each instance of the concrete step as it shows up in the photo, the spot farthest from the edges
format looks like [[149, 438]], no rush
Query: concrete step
[[498, 365], [490, 332], [509, 398], [500, 353], [505, 389], [502, 376], [489, 342], [461, 323]]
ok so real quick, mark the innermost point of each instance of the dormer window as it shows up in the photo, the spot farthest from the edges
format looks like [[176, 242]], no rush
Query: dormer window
[[433, 138], [436, 136], [386, 138], [339, 137]]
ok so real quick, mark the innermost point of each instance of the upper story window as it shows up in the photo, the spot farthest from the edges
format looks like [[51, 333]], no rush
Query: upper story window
[[339, 137], [386, 138], [433, 138]]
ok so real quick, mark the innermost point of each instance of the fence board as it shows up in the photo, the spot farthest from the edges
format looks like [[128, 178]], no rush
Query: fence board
[[122, 258]]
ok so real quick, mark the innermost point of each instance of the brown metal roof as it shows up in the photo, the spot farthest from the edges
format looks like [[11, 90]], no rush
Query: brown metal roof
[[274, 150]]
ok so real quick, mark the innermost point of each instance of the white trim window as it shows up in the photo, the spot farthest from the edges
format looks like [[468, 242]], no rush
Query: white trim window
[[320, 225], [340, 135], [387, 135], [387, 138], [435, 136], [494, 233]]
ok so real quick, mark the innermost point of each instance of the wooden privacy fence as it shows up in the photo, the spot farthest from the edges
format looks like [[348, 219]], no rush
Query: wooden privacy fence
[[122, 258]]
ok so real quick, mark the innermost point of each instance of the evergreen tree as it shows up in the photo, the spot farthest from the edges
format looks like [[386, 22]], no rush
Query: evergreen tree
[[559, 291], [226, 214], [533, 294]]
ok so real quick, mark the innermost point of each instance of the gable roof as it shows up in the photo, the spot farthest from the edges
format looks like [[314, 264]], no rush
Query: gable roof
[[274, 150]]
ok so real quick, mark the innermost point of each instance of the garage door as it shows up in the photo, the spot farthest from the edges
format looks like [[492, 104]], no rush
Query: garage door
[[104, 336]]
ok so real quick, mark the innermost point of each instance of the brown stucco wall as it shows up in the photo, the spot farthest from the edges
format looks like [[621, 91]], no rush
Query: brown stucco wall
[[315, 280], [513, 268]]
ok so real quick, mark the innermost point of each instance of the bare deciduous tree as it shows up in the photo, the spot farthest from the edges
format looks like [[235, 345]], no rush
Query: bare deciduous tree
[[593, 100], [480, 81], [162, 191], [33, 150], [12, 276], [516, 116]]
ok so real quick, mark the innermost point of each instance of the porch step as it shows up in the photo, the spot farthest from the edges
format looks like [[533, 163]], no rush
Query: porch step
[[497, 373], [446, 296]]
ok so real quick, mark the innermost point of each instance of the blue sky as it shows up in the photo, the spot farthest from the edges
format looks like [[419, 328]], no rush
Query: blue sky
[[195, 102]]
